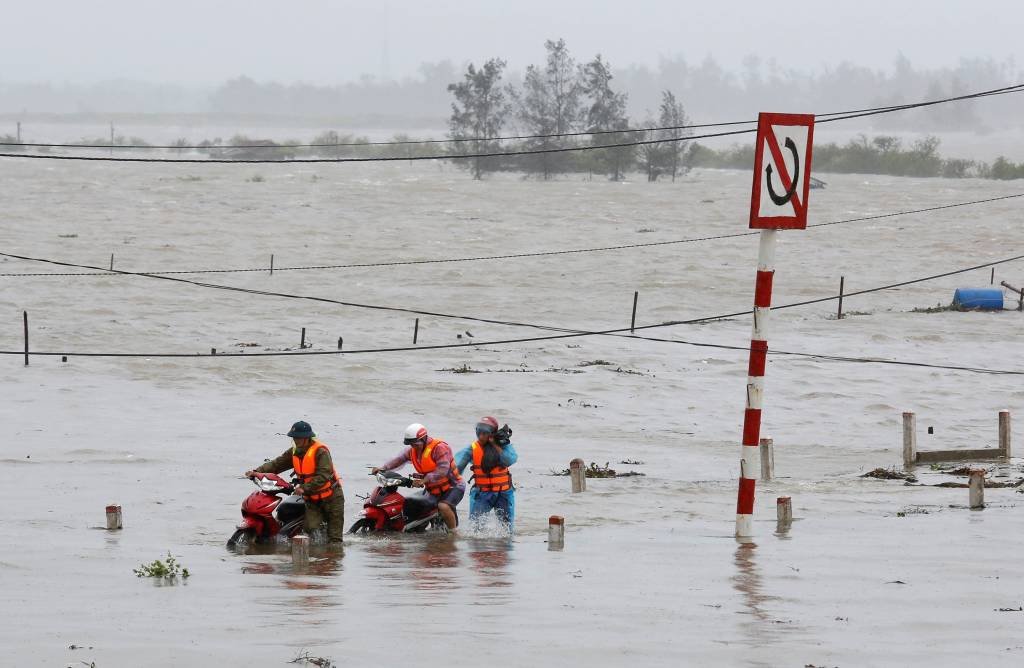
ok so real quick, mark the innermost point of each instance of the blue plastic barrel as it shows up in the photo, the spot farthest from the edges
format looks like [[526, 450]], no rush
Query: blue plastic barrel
[[987, 299]]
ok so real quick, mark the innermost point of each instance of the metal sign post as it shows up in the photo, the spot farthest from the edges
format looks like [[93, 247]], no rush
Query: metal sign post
[[782, 170]]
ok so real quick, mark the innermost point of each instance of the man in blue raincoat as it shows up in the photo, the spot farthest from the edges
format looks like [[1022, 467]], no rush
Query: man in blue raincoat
[[490, 456]]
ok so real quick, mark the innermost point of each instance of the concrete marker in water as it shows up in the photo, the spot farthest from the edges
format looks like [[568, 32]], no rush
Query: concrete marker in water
[[114, 520], [783, 512], [556, 532], [578, 474], [909, 439], [300, 550], [1004, 432], [977, 488]]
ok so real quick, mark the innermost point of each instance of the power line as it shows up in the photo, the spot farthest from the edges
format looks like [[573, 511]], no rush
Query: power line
[[838, 116], [568, 333], [507, 256]]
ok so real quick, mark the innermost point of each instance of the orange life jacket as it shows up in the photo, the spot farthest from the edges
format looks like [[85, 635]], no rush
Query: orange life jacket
[[306, 467], [497, 479], [425, 463]]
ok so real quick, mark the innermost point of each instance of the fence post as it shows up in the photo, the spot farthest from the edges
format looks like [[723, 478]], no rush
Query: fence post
[[1004, 432], [909, 439], [632, 321], [415, 331], [271, 264], [302, 340], [767, 459], [578, 474], [111, 262], [992, 279], [839, 313], [977, 488]]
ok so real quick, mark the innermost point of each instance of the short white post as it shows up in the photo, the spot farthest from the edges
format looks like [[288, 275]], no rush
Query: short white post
[[1004, 432], [909, 439], [767, 446], [977, 488], [578, 473], [556, 533], [783, 513], [300, 550], [114, 520]]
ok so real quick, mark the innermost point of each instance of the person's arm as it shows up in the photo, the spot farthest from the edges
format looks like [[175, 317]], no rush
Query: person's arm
[[276, 465], [395, 462], [463, 459], [509, 456]]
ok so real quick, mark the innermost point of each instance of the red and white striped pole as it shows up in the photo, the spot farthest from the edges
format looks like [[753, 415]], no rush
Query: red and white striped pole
[[750, 460]]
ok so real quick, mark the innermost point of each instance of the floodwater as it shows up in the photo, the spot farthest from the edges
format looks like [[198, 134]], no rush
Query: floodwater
[[872, 573]]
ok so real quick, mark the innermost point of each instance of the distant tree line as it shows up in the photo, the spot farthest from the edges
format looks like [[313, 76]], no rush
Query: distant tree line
[[556, 99]]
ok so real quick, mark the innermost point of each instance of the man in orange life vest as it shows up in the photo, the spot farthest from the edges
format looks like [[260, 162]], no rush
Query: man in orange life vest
[[432, 458], [491, 454], [319, 483]]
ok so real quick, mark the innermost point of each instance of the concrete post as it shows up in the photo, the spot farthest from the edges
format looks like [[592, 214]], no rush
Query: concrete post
[[114, 520], [300, 550], [977, 488], [556, 533], [578, 474], [783, 513], [1004, 433], [767, 459], [909, 439]]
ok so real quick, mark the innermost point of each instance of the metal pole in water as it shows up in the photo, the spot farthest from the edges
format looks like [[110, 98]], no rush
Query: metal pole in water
[[302, 341], [271, 264], [114, 517], [632, 321], [909, 439], [111, 262], [1004, 432], [767, 459], [750, 460], [977, 488], [556, 533], [578, 474], [415, 331]]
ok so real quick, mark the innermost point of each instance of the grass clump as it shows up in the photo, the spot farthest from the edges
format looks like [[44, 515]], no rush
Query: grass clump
[[168, 571]]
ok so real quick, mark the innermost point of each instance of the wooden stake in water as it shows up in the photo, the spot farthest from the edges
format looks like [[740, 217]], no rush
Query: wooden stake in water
[[767, 459], [415, 331], [839, 313], [114, 520], [25, 314], [111, 262], [1004, 433], [302, 340], [300, 550], [271, 264], [909, 439], [977, 488], [992, 279], [556, 533], [578, 474]]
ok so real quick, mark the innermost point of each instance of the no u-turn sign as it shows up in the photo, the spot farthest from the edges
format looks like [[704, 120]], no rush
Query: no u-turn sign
[[782, 171]]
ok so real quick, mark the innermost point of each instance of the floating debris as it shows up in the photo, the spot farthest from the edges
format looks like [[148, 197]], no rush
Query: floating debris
[[465, 368], [319, 661], [595, 471], [632, 462], [889, 474], [595, 363]]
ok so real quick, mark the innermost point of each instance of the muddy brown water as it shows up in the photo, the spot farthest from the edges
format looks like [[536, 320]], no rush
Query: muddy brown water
[[650, 571]]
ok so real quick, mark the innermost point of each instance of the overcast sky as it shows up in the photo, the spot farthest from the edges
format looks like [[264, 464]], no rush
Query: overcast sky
[[323, 41]]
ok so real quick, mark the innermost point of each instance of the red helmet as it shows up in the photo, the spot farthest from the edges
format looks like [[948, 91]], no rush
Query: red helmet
[[487, 425]]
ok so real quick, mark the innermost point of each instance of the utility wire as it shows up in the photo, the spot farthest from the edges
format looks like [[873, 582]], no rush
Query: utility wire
[[553, 135], [507, 256], [565, 149]]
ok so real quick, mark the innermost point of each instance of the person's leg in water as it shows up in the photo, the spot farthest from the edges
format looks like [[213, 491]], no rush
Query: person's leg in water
[[505, 508], [446, 506], [313, 518], [334, 509]]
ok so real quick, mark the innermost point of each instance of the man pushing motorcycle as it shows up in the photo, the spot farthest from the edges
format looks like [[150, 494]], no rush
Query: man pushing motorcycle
[[319, 483], [432, 458]]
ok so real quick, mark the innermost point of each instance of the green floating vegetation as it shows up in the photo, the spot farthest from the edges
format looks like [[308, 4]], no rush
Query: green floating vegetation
[[168, 571]]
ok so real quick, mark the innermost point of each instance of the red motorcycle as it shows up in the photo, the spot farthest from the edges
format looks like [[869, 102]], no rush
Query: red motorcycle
[[385, 509], [266, 515]]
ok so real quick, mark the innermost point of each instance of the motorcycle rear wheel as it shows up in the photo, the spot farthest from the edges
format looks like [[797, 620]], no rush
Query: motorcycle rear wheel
[[363, 525], [242, 538]]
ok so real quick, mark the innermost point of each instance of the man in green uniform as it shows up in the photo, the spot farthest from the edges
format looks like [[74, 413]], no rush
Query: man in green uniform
[[319, 483]]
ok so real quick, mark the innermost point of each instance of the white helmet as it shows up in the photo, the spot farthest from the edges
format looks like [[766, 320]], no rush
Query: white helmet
[[415, 433]]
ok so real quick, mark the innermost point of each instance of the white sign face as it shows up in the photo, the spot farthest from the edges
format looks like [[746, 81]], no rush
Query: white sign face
[[782, 171]]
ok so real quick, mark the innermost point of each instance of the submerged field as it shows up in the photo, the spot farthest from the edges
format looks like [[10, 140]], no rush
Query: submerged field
[[872, 572]]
